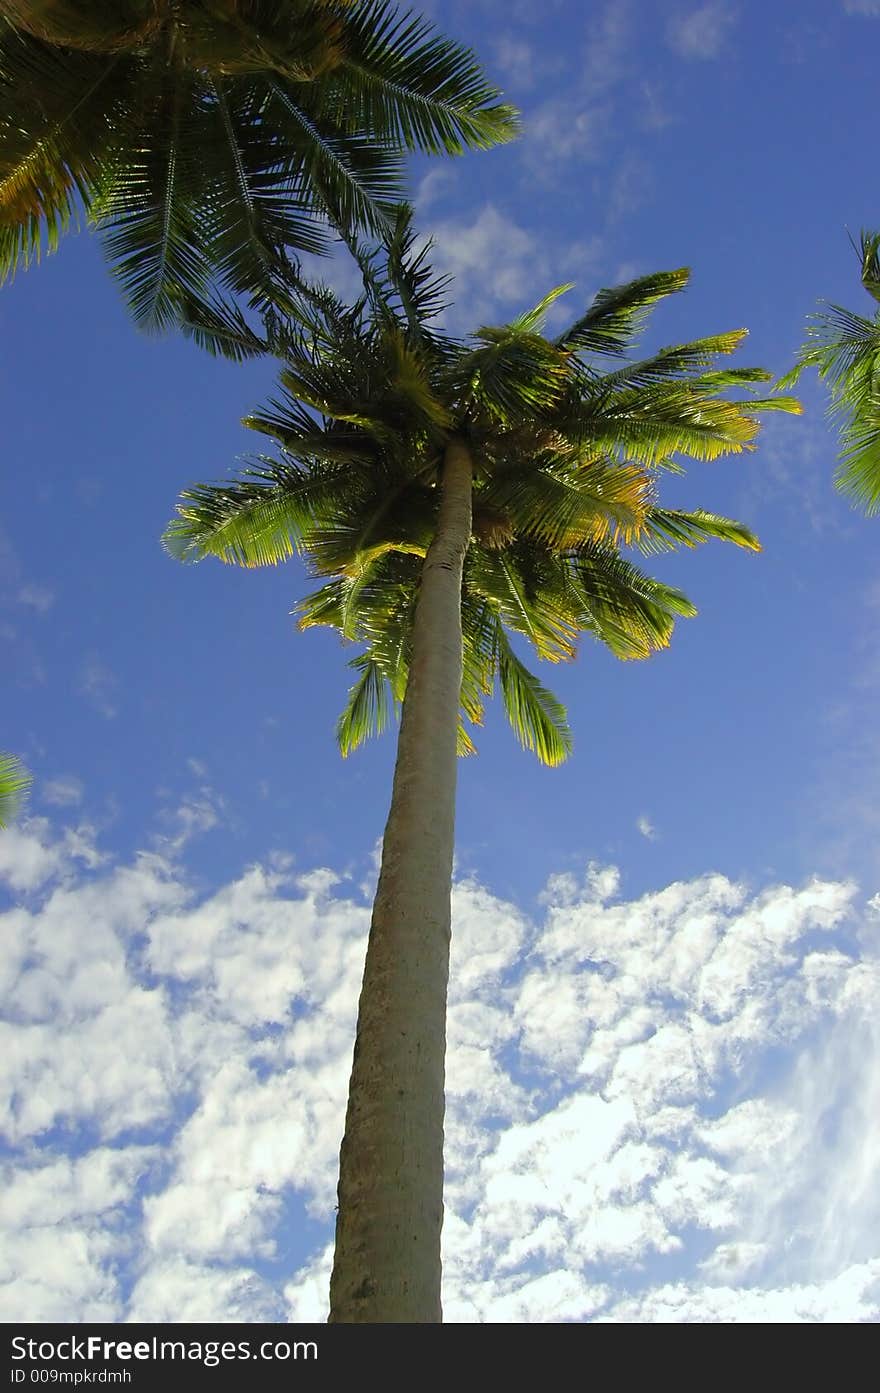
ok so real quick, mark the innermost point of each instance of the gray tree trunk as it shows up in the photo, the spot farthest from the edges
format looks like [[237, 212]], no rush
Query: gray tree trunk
[[387, 1263]]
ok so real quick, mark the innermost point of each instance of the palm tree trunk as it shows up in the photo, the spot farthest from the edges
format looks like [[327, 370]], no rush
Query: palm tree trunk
[[387, 1264]]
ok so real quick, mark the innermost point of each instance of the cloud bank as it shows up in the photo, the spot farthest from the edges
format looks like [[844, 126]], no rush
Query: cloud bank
[[660, 1109]]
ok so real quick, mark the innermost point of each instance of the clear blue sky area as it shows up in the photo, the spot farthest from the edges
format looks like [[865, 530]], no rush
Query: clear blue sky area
[[177, 709]]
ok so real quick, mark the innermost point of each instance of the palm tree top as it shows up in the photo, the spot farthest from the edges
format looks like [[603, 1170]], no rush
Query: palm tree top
[[568, 437], [207, 137]]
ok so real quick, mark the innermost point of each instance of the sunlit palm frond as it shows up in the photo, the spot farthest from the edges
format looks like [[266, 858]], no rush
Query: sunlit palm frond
[[614, 319], [260, 519], [538, 719], [565, 473], [666, 529], [367, 710], [14, 784]]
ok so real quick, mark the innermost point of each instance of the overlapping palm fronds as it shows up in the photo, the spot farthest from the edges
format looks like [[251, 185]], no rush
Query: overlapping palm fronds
[[567, 451], [209, 141]]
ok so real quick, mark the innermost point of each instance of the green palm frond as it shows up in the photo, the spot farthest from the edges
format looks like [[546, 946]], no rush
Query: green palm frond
[[565, 505], [681, 360], [367, 710], [148, 209], [533, 320], [566, 459], [630, 612], [666, 529], [221, 328], [415, 89], [844, 348], [259, 520], [869, 254], [14, 784], [537, 718], [55, 138], [210, 141], [512, 375], [617, 315]]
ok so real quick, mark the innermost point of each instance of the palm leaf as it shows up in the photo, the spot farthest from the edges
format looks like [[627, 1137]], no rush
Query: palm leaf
[[415, 89], [666, 529], [14, 783], [367, 710], [537, 718], [616, 315]]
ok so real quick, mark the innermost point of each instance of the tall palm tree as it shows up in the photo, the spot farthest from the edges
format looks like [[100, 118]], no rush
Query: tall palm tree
[[451, 495], [845, 348], [14, 783], [209, 138]]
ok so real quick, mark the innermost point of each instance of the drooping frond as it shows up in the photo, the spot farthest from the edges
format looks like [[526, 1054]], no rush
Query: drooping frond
[[148, 211], [56, 113], [630, 612], [537, 718], [367, 710]]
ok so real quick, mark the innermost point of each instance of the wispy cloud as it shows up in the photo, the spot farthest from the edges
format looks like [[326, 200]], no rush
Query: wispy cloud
[[63, 792], [98, 684], [516, 60], [649, 1125], [702, 34], [862, 7], [645, 826], [37, 597], [501, 267], [189, 815], [575, 124]]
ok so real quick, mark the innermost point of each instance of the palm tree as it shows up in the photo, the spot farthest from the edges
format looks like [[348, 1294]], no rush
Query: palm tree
[[14, 783], [845, 348], [208, 139], [451, 495]]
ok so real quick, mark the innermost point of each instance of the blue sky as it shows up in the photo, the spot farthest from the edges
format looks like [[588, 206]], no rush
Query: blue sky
[[663, 1037]]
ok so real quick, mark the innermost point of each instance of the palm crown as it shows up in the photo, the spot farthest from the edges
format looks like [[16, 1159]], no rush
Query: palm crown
[[567, 449], [209, 137], [845, 348]]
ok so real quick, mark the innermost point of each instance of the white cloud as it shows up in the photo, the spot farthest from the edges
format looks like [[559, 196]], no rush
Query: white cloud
[[562, 129], [645, 826], [175, 1071], [98, 685], [702, 34], [37, 597], [63, 792], [608, 45], [516, 59], [501, 268]]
